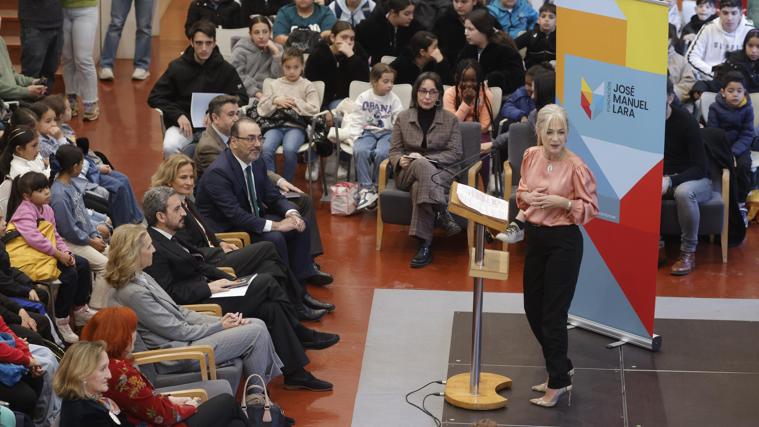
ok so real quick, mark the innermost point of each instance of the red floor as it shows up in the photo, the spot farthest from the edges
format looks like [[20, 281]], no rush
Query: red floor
[[129, 133]]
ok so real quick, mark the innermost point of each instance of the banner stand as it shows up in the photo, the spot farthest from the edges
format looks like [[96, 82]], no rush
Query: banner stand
[[653, 343]]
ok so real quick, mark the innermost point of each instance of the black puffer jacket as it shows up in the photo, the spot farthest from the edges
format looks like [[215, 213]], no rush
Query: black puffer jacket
[[336, 71], [738, 61], [226, 14], [172, 93], [379, 38], [541, 47]]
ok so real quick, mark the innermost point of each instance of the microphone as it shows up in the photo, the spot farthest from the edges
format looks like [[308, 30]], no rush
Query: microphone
[[451, 168]]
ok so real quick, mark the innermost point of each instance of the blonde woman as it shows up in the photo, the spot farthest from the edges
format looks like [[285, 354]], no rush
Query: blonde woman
[[81, 380], [162, 323], [557, 192]]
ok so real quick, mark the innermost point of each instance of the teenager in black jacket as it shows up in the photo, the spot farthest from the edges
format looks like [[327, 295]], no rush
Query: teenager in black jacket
[[745, 61], [383, 35], [422, 55], [261, 7], [337, 63], [222, 13], [449, 28], [495, 51], [201, 68]]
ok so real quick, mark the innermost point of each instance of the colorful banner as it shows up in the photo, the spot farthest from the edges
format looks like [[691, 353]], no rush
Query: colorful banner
[[611, 77]]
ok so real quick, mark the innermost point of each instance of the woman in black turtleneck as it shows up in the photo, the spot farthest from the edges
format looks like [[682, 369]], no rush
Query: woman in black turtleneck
[[426, 140]]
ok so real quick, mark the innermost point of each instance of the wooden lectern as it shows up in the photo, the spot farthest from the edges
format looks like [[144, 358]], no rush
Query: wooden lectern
[[479, 390]]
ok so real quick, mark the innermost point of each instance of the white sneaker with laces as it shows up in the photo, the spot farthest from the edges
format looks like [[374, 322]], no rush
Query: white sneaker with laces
[[312, 173], [83, 314], [64, 329], [106, 73], [366, 198], [512, 234], [140, 74]]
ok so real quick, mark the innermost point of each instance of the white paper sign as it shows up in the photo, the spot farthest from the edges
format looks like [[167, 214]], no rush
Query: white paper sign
[[483, 203]]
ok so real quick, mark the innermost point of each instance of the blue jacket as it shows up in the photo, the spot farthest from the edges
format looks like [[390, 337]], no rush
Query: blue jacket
[[518, 105], [738, 123], [521, 18], [222, 198]]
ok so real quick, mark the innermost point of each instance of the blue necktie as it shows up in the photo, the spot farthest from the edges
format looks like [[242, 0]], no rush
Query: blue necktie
[[252, 191]]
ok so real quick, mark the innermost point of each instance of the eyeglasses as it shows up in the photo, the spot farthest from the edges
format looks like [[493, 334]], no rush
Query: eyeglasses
[[425, 92], [251, 138]]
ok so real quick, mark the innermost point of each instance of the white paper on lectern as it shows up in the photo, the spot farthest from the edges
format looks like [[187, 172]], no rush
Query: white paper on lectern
[[483, 203], [199, 106]]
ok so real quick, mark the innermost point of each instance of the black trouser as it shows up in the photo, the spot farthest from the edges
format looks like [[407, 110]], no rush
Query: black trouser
[[306, 208], [551, 267], [221, 410], [76, 286], [23, 395], [261, 257], [34, 337], [265, 300], [743, 181]]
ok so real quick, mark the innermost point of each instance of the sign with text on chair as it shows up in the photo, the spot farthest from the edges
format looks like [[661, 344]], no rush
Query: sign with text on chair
[[614, 90]]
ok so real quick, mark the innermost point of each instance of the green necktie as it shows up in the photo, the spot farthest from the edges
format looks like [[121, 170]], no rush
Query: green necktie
[[252, 191]]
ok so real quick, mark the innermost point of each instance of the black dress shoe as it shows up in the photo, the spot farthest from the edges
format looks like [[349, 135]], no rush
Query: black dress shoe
[[320, 340], [312, 302], [307, 381], [320, 279], [423, 257], [445, 221], [308, 313]]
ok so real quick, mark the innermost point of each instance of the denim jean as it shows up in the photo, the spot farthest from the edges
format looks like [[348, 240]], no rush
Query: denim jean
[[687, 196], [79, 29], [144, 16], [369, 150], [291, 139], [41, 52]]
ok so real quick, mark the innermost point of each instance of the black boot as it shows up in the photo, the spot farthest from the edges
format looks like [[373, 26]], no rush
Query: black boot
[[445, 221], [423, 256]]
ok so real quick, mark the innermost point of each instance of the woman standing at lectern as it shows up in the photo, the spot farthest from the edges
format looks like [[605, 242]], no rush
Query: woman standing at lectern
[[557, 192]]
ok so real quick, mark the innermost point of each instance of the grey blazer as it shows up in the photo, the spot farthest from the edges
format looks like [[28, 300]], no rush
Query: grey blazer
[[443, 138], [161, 323]]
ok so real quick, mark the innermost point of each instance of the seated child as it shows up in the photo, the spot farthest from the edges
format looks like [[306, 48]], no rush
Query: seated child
[[372, 125], [733, 113], [40, 252], [540, 41]]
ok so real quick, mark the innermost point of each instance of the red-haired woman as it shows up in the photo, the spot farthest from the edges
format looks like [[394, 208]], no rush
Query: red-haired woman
[[134, 393]]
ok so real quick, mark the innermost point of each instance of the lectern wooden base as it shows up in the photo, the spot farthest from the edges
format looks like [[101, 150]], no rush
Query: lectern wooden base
[[457, 392]]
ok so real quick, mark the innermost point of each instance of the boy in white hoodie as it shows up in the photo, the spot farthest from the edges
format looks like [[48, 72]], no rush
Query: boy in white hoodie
[[717, 38]]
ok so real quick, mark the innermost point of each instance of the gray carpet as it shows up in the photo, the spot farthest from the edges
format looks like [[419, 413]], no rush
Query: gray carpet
[[409, 336]]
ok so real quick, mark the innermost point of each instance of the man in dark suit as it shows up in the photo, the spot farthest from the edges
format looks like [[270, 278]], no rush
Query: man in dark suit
[[182, 271], [235, 194], [223, 112]]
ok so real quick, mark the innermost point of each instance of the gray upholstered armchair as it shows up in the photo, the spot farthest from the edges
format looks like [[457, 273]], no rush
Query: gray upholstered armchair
[[394, 205]]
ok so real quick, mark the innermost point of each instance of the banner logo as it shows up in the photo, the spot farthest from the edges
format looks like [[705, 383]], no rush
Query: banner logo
[[592, 101]]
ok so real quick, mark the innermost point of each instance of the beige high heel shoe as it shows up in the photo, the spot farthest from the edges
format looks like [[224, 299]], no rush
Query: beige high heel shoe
[[541, 388], [542, 401]]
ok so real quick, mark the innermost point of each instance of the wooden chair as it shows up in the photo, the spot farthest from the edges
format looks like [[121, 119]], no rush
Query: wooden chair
[[210, 309]]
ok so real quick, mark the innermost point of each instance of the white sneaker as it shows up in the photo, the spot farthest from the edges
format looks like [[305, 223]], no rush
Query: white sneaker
[[342, 172], [106, 74], [366, 198], [64, 329], [140, 74], [512, 234], [83, 314], [312, 173]]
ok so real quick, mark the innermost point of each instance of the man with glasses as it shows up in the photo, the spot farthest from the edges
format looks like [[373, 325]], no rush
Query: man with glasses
[[200, 69], [235, 194]]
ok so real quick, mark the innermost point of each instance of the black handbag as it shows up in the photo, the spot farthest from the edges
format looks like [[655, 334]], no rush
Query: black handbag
[[259, 409]]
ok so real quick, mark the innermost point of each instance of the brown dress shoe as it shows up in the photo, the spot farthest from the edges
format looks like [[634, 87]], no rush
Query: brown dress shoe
[[685, 264]]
